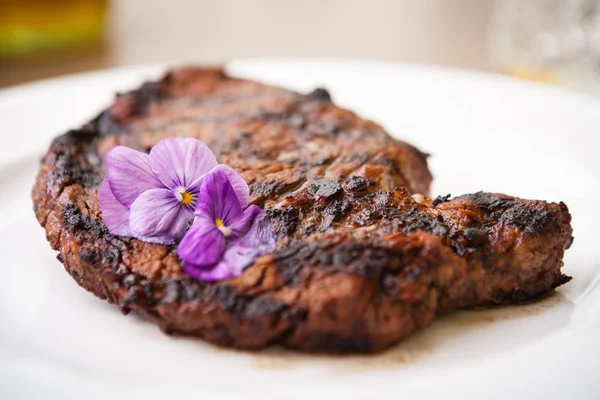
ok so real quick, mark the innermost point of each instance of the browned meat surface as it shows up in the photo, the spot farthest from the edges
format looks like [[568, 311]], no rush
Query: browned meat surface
[[360, 263]]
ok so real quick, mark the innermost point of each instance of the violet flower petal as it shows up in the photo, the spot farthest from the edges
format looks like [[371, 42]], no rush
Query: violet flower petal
[[157, 216], [129, 174], [219, 272], [260, 236], [178, 162], [217, 199], [241, 253], [234, 260], [240, 187], [114, 214], [240, 227], [203, 245]]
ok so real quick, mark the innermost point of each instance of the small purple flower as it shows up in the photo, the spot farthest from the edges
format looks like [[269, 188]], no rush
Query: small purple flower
[[225, 238], [153, 197]]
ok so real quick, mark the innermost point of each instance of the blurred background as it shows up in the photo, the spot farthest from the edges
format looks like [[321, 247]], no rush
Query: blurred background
[[553, 41]]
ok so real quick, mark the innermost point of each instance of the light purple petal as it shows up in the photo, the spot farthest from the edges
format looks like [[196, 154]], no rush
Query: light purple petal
[[181, 161], [158, 216], [234, 260], [217, 199], [240, 187], [114, 214], [240, 227], [260, 236], [129, 174], [203, 245]]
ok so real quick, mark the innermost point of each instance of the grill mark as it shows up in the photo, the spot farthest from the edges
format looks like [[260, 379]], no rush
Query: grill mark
[[203, 100], [266, 116]]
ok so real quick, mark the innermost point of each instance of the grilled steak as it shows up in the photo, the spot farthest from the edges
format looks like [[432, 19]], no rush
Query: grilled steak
[[363, 258]]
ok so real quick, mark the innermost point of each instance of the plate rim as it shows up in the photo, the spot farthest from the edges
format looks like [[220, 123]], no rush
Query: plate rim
[[148, 67]]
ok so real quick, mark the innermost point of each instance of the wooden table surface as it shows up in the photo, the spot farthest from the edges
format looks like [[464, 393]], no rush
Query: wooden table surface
[[442, 32]]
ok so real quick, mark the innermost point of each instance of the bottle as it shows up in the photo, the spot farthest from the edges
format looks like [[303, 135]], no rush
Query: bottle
[[31, 27]]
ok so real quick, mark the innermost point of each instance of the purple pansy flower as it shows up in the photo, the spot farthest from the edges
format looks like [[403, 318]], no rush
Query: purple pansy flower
[[153, 197], [224, 239]]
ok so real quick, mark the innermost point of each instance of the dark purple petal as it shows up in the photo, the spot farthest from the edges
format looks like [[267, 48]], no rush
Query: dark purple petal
[[178, 162], [203, 245], [129, 174], [114, 214], [240, 187], [157, 216], [217, 199], [218, 272], [234, 260]]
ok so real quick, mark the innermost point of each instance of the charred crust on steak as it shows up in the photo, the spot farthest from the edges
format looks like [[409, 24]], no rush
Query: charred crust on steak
[[440, 199], [320, 94], [325, 188], [359, 265]]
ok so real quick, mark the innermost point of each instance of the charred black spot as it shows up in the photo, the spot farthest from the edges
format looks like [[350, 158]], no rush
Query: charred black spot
[[132, 296], [95, 258], [441, 199], [392, 164], [74, 219], [411, 220], [172, 292], [326, 188], [333, 212], [262, 306], [191, 290], [290, 262], [284, 221], [488, 200], [90, 257], [346, 256], [356, 183], [274, 188], [352, 257], [297, 121], [129, 281], [475, 236], [320, 94], [147, 288], [360, 158], [316, 162], [102, 125], [85, 228], [266, 188], [328, 128], [357, 343], [143, 97], [534, 220], [366, 217], [230, 299], [243, 135], [412, 272], [75, 163]]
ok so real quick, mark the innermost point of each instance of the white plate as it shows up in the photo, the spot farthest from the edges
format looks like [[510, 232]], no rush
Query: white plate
[[484, 133]]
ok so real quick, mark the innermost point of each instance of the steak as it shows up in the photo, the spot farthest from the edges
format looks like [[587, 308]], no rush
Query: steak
[[364, 258]]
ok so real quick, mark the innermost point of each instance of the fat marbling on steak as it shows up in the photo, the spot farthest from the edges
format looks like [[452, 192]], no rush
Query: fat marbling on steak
[[360, 262]]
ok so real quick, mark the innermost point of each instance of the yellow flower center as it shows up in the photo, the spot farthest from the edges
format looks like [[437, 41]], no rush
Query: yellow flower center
[[221, 226], [186, 198]]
